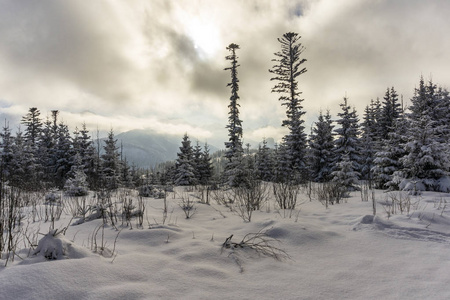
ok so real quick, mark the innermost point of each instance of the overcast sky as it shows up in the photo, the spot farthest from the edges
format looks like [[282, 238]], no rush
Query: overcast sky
[[158, 64]]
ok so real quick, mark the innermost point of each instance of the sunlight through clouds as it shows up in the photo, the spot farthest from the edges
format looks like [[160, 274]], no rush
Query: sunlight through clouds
[[145, 62]]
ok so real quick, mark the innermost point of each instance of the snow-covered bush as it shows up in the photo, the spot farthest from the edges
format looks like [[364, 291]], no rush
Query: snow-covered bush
[[78, 185], [53, 196], [154, 191], [54, 245], [51, 246]]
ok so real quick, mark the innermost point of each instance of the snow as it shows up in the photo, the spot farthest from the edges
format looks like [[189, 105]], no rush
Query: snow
[[343, 252]]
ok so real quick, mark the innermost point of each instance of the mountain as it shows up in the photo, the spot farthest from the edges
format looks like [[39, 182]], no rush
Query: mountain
[[147, 148]]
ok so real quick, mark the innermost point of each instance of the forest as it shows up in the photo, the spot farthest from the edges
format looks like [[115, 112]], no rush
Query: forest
[[390, 156]]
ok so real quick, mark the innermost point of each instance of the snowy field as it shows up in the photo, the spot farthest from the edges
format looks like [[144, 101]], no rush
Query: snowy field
[[342, 252]]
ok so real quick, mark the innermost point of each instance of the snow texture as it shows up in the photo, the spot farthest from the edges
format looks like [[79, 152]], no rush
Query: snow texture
[[338, 253]]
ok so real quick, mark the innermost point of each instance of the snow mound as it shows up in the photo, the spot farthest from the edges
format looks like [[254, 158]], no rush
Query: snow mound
[[300, 234], [405, 231], [153, 237], [367, 219], [54, 246]]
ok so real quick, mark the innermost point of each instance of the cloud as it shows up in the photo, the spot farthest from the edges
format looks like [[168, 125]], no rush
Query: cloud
[[149, 63], [362, 47], [64, 42]]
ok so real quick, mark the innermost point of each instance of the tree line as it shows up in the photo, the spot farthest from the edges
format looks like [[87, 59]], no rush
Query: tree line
[[46, 155], [392, 147]]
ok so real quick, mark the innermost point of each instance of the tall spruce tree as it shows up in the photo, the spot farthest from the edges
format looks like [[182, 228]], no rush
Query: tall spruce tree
[[233, 169], [287, 68]]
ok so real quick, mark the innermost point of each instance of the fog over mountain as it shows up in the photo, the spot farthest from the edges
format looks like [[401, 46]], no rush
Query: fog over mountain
[[147, 148]]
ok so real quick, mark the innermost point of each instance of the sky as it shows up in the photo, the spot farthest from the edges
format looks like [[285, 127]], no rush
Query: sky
[[159, 64]]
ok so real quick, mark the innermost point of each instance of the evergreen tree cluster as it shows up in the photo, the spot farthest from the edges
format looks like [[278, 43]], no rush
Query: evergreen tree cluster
[[391, 147], [193, 165], [46, 155]]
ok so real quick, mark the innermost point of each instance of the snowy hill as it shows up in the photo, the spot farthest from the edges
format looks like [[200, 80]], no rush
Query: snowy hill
[[342, 252], [146, 148]]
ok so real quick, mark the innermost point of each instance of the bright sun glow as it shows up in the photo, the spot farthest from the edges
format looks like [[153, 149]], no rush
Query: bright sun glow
[[205, 37]]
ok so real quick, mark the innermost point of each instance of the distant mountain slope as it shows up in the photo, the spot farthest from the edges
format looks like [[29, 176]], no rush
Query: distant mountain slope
[[146, 148]]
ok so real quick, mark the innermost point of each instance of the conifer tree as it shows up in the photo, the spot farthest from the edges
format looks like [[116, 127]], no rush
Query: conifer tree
[[184, 168], [282, 170], [17, 177], [23, 164], [126, 173], [375, 117], [110, 163], [63, 155], [88, 155], [387, 160], [427, 159], [33, 125], [391, 110], [264, 163], [442, 98], [368, 144], [347, 143], [288, 66], [6, 146], [206, 168], [233, 169], [32, 134], [345, 175], [347, 135], [76, 183], [197, 161], [321, 146], [47, 154]]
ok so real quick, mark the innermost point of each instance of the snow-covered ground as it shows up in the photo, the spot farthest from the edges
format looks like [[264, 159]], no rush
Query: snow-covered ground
[[342, 252]]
